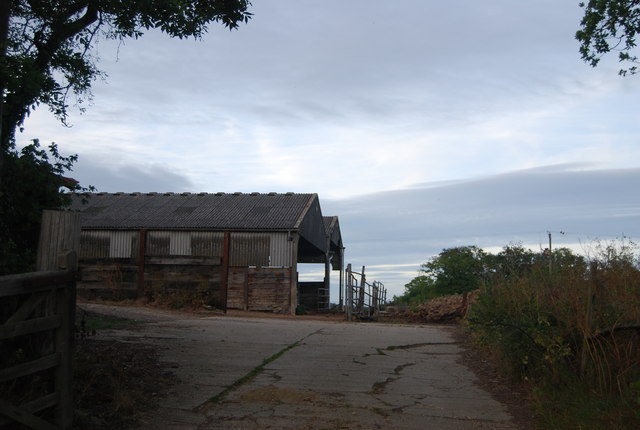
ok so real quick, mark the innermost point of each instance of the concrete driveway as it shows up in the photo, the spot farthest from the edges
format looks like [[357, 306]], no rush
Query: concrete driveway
[[255, 373]]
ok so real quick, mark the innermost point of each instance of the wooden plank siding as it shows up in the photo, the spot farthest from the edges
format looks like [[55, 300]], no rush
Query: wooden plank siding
[[259, 289], [268, 289], [237, 288]]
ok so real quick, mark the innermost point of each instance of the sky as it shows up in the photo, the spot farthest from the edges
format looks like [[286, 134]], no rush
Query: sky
[[422, 125]]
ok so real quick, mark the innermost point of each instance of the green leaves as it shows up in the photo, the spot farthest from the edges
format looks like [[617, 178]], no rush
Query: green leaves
[[49, 45], [609, 25], [31, 181], [46, 57]]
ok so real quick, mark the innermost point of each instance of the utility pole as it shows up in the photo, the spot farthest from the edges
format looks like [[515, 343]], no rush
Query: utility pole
[[550, 251], [550, 254]]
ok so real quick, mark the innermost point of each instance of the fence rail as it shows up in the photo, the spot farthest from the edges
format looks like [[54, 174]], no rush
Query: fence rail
[[364, 299], [36, 340]]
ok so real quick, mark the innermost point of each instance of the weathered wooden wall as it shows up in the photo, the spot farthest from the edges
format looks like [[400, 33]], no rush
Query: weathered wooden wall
[[117, 278], [128, 264], [195, 280], [259, 289], [114, 278], [249, 288]]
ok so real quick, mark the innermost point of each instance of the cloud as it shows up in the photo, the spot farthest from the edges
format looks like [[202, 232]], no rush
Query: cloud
[[389, 230], [114, 175], [359, 101]]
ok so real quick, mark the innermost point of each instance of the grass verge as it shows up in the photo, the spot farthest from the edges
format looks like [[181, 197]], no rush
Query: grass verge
[[88, 322], [116, 384]]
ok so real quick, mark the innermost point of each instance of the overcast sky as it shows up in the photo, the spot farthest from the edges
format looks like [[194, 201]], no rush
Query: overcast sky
[[421, 124]]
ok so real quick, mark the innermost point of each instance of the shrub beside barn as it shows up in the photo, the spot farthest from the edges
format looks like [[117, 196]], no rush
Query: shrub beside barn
[[237, 251]]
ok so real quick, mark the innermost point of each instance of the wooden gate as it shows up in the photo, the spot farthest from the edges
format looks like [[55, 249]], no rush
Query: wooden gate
[[36, 340]]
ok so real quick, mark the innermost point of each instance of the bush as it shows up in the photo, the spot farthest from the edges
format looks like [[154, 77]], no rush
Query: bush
[[570, 327]]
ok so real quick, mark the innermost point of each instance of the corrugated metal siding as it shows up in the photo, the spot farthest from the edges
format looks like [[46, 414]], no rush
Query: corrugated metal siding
[[180, 243], [94, 244], [260, 249], [122, 244], [158, 243], [206, 243], [246, 249], [192, 243], [108, 244], [281, 250], [249, 249]]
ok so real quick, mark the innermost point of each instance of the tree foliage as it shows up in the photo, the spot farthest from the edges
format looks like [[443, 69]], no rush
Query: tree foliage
[[46, 45], [467, 268], [46, 56], [33, 178], [610, 25], [418, 290], [456, 270], [453, 271], [512, 261]]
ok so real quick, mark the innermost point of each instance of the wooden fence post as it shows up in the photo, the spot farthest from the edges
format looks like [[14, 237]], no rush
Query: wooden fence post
[[224, 271], [66, 303], [361, 298], [349, 287], [59, 234], [374, 300]]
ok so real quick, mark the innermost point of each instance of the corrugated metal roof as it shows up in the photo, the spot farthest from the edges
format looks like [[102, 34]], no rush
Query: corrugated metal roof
[[328, 223], [219, 211], [332, 229]]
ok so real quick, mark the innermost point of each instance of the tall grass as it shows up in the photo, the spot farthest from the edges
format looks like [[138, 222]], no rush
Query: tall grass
[[571, 328]]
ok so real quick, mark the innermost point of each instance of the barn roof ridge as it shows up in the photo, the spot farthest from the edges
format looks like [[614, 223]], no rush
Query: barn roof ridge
[[242, 211], [188, 193]]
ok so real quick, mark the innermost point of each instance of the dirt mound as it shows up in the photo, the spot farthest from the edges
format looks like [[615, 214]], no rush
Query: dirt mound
[[442, 310]]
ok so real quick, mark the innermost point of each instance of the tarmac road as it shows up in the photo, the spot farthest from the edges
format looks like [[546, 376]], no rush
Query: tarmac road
[[262, 373]]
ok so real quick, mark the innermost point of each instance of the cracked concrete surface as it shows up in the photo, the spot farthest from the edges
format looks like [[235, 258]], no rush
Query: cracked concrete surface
[[338, 375]]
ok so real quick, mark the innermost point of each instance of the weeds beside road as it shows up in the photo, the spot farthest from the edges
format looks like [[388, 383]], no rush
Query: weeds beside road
[[115, 383], [571, 331]]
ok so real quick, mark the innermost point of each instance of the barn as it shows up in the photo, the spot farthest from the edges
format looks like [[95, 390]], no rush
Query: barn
[[224, 250]]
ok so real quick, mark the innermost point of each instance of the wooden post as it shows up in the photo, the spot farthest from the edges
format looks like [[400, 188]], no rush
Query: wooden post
[[59, 234], [293, 297], [374, 299], [550, 254], [327, 281], [341, 278], [224, 270], [363, 281], [64, 337], [142, 246], [245, 288], [349, 291]]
